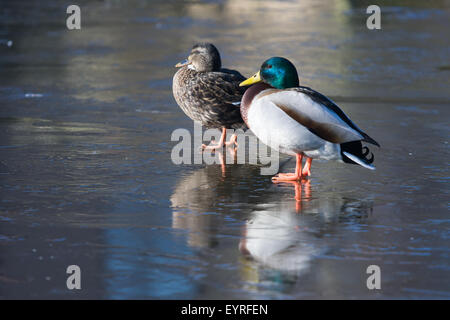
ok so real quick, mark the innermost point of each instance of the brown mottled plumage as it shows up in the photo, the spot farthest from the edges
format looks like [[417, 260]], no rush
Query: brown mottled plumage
[[206, 92]]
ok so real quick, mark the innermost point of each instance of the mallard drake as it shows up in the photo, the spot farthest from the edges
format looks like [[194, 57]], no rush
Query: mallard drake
[[299, 121], [206, 92]]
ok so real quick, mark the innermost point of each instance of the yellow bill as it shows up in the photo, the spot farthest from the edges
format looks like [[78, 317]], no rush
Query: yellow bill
[[253, 79]]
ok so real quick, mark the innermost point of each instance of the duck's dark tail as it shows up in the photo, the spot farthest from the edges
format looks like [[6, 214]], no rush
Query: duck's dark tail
[[354, 152]]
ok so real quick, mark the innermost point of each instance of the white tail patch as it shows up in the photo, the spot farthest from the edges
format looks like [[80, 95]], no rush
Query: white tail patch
[[358, 161]]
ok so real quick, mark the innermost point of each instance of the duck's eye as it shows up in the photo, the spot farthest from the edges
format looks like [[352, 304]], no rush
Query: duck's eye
[[269, 66]]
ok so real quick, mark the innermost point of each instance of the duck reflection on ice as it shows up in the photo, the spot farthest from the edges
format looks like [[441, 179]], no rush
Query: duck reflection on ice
[[298, 191], [281, 240], [203, 198], [232, 151], [287, 224]]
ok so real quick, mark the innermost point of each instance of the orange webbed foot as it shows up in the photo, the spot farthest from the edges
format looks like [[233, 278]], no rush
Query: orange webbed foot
[[212, 146], [286, 177], [307, 168], [306, 173]]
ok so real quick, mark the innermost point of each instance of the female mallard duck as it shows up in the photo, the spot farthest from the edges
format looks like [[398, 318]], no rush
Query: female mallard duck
[[206, 92], [300, 121]]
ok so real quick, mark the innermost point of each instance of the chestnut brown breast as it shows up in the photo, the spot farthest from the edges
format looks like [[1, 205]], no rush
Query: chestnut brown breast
[[247, 99]]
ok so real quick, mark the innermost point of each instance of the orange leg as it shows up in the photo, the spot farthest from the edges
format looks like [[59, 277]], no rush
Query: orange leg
[[222, 142], [307, 168], [291, 176], [233, 140]]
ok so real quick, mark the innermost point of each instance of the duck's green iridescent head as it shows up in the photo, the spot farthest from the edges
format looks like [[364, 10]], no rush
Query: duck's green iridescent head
[[278, 72]]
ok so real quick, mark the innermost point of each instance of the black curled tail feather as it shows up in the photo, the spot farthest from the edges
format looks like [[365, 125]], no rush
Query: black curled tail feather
[[353, 152], [365, 153]]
